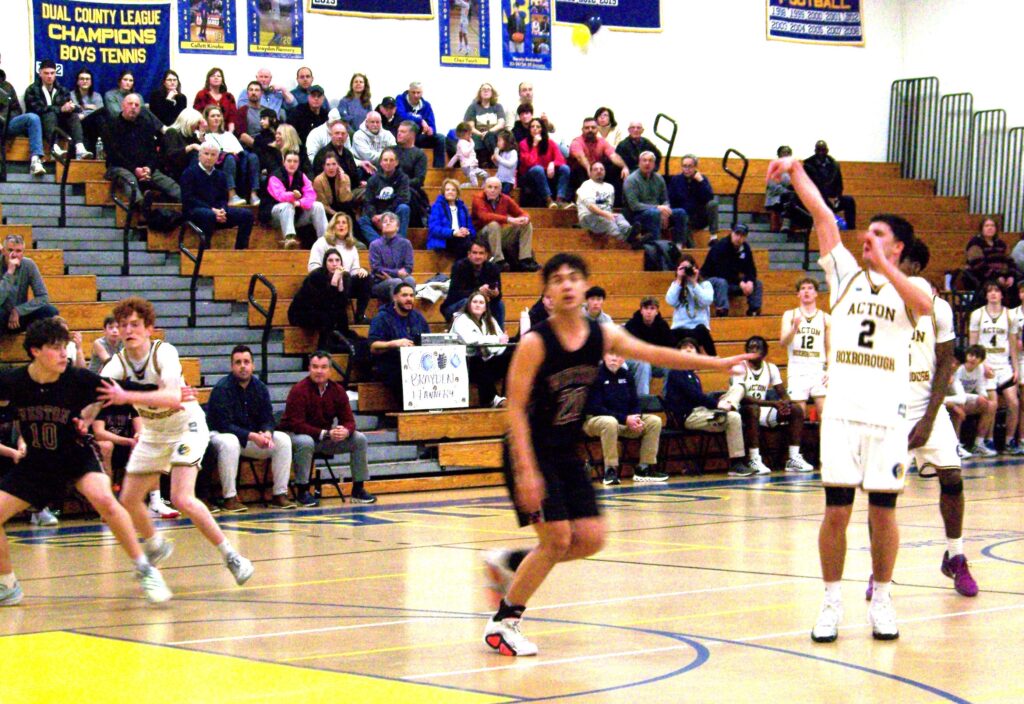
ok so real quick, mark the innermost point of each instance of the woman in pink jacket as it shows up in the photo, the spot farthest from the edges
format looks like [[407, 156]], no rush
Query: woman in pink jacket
[[296, 202], [542, 167]]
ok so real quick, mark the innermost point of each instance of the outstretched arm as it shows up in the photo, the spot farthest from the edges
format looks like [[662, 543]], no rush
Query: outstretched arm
[[810, 196], [620, 342]]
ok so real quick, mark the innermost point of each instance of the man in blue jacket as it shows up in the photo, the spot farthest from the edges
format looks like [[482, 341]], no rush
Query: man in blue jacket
[[613, 408], [394, 326], [731, 270], [412, 106], [691, 190], [204, 198]]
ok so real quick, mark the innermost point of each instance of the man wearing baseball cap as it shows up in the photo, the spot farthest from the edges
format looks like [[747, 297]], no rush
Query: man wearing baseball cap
[[389, 118], [731, 270], [306, 118]]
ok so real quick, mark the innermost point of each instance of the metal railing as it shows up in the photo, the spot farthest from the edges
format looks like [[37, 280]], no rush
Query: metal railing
[[197, 263], [670, 140], [127, 206], [988, 142], [740, 178], [65, 161], [1013, 209], [913, 121], [268, 317], [953, 172]]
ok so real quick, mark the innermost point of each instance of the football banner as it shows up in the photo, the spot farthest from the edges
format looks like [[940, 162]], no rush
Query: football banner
[[206, 27], [837, 22]]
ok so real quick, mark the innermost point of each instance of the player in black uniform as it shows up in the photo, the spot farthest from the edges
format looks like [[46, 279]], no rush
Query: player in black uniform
[[548, 381], [48, 397]]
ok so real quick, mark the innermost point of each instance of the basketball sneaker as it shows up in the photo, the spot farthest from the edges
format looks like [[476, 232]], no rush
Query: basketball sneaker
[[611, 476], [11, 596], [499, 574], [644, 473], [44, 518], [963, 453], [153, 585], [506, 638], [739, 468], [799, 465], [956, 569], [158, 508], [759, 467], [882, 617], [826, 630], [158, 553], [240, 567], [984, 449]]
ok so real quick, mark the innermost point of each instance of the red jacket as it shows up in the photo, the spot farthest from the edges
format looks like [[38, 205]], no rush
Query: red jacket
[[485, 213], [529, 156], [226, 104], [307, 412]]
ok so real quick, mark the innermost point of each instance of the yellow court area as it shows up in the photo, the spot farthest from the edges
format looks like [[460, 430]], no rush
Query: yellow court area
[[706, 592]]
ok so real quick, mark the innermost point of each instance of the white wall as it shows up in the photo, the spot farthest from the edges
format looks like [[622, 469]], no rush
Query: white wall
[[711, 69]]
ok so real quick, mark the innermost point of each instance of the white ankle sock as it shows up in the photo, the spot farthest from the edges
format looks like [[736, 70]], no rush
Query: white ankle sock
[[154, 542], [141, 561], [834, 591], [225, 549], [956, 546], [8, 580], [755, 454], [154, 497], [881, 590], [794, 452]]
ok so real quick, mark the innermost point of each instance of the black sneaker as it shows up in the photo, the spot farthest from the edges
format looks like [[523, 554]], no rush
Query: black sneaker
[[611, 476], [528, 265], [363, 497], [739, 468], [644, 473], [307, 500]]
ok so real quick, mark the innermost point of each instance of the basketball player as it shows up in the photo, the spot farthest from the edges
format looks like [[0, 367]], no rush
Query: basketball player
[[863, 435], [992, 327], [463, 26], [171, 440], [805, 337], [550, 375], [48, 396]]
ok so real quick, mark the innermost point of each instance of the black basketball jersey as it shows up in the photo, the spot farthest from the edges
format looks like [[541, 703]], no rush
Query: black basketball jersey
[[118, 420], [45, 411], [561, 388]]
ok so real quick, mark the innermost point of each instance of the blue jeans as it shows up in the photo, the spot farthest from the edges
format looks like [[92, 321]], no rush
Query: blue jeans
[[642, 374], [29, 126], [241, 218], [537, 177], [649, 221], [723, 290], [448, 310], [369, 232]]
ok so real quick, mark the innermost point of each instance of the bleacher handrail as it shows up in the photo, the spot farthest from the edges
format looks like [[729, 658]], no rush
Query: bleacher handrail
[[65, 161], [670, 140], [197, 263], [740, 178], [129, 210], [268, 318]]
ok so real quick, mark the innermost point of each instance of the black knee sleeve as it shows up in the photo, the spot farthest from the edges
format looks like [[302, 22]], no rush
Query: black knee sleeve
[[952, 488], [839, 495], [882, 500]]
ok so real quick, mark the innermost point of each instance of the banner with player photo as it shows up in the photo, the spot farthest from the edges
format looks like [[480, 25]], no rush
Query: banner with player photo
[[275, 28], [832, 22], [526, 34], [105, 38], [394, 9], [625, 15], [464, 27], [207, 27]]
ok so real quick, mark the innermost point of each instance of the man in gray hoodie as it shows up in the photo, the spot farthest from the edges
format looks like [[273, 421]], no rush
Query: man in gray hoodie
[[17, 312]]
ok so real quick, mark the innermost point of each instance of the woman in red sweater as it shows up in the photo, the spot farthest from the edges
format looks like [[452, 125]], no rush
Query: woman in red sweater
[[215, 92], [542, 167]]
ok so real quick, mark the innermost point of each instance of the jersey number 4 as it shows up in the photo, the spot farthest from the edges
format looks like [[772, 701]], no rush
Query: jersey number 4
[[866, 333]]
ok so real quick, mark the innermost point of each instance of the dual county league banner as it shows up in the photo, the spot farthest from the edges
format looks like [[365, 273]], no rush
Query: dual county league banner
[[465, 33], [838, 22], [206, 26], [275, 28], [395, 9], [106, 38], [626, 15], [434, 376], [526, 34]]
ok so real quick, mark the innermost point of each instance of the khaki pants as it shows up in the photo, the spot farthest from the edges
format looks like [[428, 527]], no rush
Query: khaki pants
[[512, 237], [609, 430], [731, 425]]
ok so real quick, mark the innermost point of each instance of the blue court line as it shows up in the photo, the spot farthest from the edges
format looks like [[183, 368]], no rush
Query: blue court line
[[989, 551]]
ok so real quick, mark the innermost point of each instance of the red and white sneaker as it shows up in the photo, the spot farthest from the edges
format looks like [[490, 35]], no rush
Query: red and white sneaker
[[159, 509], [506, 638]]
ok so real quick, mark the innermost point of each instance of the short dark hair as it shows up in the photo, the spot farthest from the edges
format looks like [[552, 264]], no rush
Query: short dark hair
[[918, 252], [758, 342], [48, 331], [573, 261], [258, 85], [47, 63], [410, 125], [109, 320], [320, 354], [807, 280], [649, 302], [239, 349], [902, 230], [596, 292], [611, 115], [692, 342], [589, 119], [991, 284], [976, 351], [482, 242], [524, 108], [399, 286]]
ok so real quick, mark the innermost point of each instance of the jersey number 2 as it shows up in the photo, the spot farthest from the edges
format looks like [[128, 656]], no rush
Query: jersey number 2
[[866, 333]]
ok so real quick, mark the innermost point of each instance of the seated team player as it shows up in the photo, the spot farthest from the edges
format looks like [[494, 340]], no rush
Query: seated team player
[[751, 383], [105, 346], [805, 337], [994, 328], [613, 412], [594, 307], [978, 384]]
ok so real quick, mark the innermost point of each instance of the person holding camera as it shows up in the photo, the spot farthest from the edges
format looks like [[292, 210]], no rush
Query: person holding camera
[[691, 299]]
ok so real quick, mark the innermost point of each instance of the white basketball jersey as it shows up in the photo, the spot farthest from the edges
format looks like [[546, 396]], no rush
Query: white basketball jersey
[[162, 368], [931, 330], [757, 382], [868, 369], [807, 348], [994, 335]]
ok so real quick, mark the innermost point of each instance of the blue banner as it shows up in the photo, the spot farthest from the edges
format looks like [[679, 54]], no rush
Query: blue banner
[[526, 34], [206, 27], [816, 21], [275, 28], [633, 15], [395, 9], [105, 38], [464, 28]]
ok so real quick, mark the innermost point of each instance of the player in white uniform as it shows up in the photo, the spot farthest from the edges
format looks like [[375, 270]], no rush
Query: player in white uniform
[[863, 440], [979, 398], [463, 26], [171, 440], [805, 337], [993, 328]]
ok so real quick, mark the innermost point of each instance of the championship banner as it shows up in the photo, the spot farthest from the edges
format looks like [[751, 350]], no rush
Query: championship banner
[[106, 38], [837, 22], [206, 26], [526, 34], [434, 376], [394, 9], [465, 33], [624, 15], [275, 28]]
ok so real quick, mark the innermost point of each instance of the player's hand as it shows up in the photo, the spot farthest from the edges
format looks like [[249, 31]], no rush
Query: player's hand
[[111, 394], [14, 322], [188, 394], [81, 426], [919, 434], [779, 167], [874, 253], [729, 362], [785, 408], [529, 492]]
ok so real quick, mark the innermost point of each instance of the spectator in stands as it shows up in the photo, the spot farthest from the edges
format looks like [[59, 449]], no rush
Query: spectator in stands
[[286, 139], [613, 412], [116, 431], [215, 92], [356, 285], [318, 419], [594, 306], [503, 224], [113, 98], [334, 189], [487, 364], [413, 107], [22, 124], [450, 229], [691, 300], [275, 96], [51, 101], [320, 137], [828, 177], [205, 198], [475, 274], [386, 191], [248, 115], [521, 128], [542, 168], [591, 148], [535, 314], [413, 162], [526, 98], [636, 144], [321, 303], [167, 101], [988, 259], [132, 155], [976, 382], [356, 104], [389, 119], [181, 143], [607, 127], [646, 203], [693, 409], [241, 423], [302, 89], [370, 141], [731, 270], [595, 201], [465, 155], [338, 147], [90, 110], [506, 158], [391, 258], [648, 325], [20, 274], [691, 191], [486, 118], [779, 198], [238, 166], [295, 201], [396, 325], [106, 345], [311, 114]]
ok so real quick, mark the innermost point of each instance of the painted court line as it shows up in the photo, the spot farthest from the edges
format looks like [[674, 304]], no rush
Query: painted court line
[[642, 597], [299, 632]]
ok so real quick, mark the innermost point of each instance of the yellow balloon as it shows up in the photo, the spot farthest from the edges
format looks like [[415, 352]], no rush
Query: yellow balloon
[[581, 37]]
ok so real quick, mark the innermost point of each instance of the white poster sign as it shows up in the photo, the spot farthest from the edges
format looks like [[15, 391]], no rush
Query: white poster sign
[[434, 376]]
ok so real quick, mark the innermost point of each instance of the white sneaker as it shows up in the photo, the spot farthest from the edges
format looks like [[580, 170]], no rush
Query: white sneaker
[[498, 572], [759, 467], [506, 638], [36, 167], [159, 509], [161, 552], [153, 585], [799, 464], [82, 153], [826, 630], [498, 402], [236, 201], [43, 519], [240, 568], [11, 596], [963, 453], [882, 617], [254, 199], [980, 450], [57, 151]]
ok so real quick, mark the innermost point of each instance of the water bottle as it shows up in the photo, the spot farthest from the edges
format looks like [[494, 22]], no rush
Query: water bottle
[[99, 148]]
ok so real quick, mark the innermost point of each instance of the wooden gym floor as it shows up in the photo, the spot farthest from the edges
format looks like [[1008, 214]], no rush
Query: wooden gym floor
[[706, 592]]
